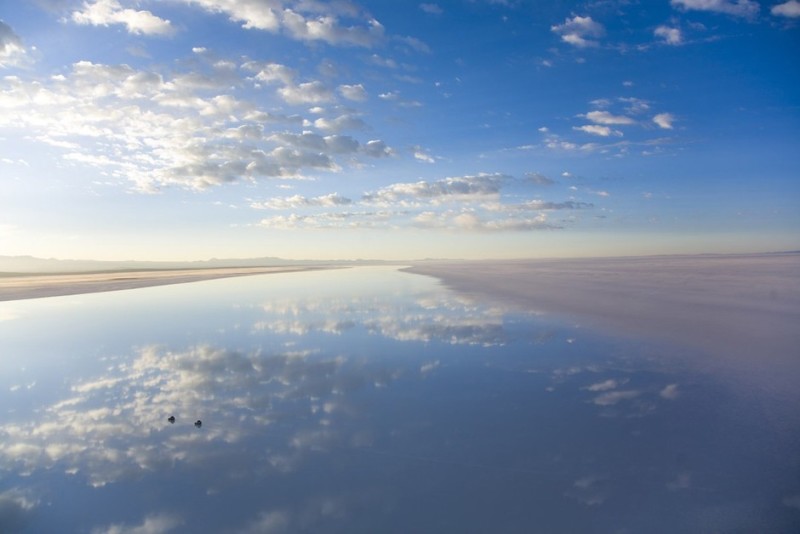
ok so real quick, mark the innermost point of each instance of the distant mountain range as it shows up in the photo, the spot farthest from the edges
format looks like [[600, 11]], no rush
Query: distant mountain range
[[30, 264]]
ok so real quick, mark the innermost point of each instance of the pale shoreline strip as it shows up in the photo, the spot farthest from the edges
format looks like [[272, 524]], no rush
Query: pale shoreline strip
[[21, 287]]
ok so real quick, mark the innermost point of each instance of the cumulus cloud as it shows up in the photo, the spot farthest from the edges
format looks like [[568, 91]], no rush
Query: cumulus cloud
[[737, 8], [606, 118], [670, 36], [298, 201], [579, 31], [12, 52], [538, 178], [108, 12], [789, 9], [353, 92], [664, 120], [346, 121], [306, 93], [595, 129], [16, 510], [303, 21], [459, 188], [189, 129]]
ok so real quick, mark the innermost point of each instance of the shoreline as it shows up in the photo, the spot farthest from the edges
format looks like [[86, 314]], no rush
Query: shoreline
[[34, 286]]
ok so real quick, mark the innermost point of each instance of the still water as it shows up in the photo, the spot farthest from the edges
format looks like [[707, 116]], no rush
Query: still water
[[369, 400]]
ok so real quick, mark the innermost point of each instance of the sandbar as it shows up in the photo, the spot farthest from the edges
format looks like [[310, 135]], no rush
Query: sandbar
[[31, 286], [742, 308]]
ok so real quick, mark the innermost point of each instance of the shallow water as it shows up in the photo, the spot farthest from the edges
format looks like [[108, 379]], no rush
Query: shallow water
[[369, 400]]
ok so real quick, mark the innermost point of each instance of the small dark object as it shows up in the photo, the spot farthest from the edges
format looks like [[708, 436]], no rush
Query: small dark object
[[171, 419], [198, 423]]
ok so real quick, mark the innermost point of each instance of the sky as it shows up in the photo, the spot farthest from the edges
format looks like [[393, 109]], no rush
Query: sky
[[192, 129]]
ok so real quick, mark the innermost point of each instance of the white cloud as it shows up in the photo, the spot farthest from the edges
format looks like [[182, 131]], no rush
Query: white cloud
[[670, 392], [152, 524], [303, 21], [671, 36], [594, 129], [482, 186], [107, 12], [189, 130], [664, 120], [431, 9], [326, 28], [579, 31], [738, 8], [353, 92], [377, 149], [470, 221], [538, 178], [299, 201], [340, 123], [604, 117], [306, 93], [12, 52], [421, 155], [787, 9], [613, 397], [603, 386]]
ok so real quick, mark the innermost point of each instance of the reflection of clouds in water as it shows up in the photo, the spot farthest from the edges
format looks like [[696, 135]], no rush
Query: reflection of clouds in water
[[613, 397], [670, 392], [151, 524], [114, 426], [682, 481], [792, 501], [590, 490], [445, 318]]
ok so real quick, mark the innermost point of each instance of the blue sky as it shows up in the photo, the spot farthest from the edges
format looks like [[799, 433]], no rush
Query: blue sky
[[189, 129]]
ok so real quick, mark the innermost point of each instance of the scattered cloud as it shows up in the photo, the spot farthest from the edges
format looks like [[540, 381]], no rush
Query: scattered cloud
[[298, 201], [668, 35], [12, 52], [431, 9], [613, 397], [538, 178], [606, 118], [354, 92], [460, 188], [604, 385], [737, 8], [152, 524], [594, 129], [789, 9], [108, 12], [302, 21], [664, 120], [579, 31], [670, 392], [189, 129], [420, 154]]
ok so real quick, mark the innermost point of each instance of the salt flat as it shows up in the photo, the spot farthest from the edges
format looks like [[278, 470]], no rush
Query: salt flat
[[737, 308], [19, 287]]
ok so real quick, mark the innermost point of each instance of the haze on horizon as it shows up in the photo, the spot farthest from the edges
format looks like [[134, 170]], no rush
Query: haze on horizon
[[192, 129]]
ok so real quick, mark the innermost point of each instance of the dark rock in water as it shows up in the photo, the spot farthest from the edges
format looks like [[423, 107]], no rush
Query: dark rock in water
[[171, 419], [198, 423]]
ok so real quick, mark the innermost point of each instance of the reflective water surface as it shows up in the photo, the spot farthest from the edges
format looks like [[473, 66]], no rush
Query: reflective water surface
[[369, 400]]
